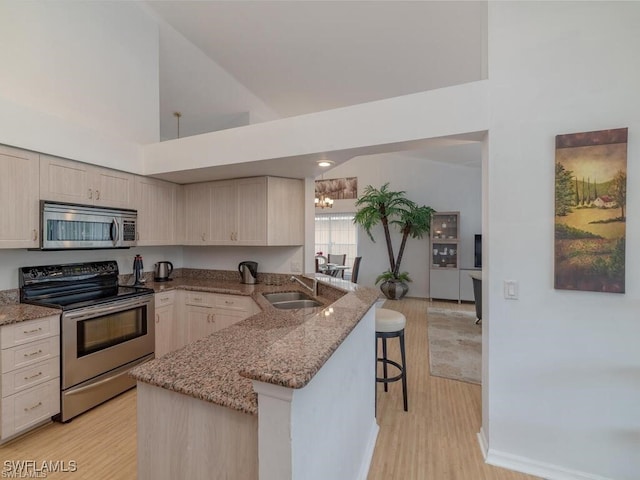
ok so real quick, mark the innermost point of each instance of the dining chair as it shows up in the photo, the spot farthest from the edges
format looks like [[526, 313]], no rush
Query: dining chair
[[320, 260], [338, 259], [355, 270]]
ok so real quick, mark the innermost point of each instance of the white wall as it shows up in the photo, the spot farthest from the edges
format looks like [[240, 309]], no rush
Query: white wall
[[79, 80], [441, 186], [12, 260], [208, 96], [563, 386]]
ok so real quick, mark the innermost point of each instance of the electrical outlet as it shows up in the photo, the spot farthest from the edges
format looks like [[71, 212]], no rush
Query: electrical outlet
[[296, 267]]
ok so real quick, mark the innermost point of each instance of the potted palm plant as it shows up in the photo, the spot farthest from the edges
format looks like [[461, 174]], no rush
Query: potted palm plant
[[389, 208]]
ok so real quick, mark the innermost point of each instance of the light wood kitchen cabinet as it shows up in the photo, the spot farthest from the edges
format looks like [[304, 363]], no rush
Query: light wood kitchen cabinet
[[207, 313], [75, 182], [157, 205], [197, 209], [30, 373], [19, 198], [257, 211], [169, 332]]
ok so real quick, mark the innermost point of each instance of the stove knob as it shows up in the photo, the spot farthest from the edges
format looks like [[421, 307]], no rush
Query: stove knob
[[34, 273]]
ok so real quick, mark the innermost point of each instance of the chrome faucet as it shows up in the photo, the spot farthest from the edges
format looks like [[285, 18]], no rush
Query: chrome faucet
[[313, 289]]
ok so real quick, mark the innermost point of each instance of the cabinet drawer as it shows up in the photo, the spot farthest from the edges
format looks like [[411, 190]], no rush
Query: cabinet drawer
[[234, 302], [200, 299], [30, 407], [23, 378], [165, 298], [30, 354], [24, 332]]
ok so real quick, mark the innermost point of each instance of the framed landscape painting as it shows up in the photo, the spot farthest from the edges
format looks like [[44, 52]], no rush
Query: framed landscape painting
[[590, 211]]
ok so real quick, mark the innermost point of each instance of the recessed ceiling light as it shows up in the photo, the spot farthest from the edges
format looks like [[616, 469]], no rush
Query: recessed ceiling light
[[325, 163]]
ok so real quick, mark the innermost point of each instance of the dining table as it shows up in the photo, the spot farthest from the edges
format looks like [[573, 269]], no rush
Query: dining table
[[332, 269]]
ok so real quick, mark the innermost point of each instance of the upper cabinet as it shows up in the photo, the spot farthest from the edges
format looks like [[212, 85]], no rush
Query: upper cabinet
[[157, 205], [75, 182], [19, 195], [245, 211]]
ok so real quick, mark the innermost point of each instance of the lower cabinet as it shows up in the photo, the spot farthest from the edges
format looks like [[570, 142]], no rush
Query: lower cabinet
[[169, 332], [30, 367], [189, 316]]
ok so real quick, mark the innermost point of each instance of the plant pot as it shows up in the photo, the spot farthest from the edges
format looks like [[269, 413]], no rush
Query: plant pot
[[394, 289]]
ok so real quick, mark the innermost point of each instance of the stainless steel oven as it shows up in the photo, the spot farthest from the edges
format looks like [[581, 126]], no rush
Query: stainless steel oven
[[99, 345], [106, 328]]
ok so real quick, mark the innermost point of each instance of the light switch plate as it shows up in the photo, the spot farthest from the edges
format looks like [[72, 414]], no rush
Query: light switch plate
[[511, 289]]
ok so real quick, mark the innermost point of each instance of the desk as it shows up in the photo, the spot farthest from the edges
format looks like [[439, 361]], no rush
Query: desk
[[332, 269]]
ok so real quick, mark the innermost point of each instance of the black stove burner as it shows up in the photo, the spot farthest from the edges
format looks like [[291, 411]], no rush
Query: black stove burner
[[75, 285]]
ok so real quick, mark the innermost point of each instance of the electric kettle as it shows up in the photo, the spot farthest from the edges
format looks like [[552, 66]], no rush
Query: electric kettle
[[163, 270], [248, 272]]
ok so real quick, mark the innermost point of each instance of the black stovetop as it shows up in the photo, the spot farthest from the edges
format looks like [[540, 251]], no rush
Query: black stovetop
[[74, 286]]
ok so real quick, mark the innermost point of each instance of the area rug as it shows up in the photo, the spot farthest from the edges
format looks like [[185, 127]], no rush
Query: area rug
[[455, 345]]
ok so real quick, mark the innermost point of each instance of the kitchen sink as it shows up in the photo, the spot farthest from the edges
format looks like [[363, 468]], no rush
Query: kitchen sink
[[293, 304], [291, 300]]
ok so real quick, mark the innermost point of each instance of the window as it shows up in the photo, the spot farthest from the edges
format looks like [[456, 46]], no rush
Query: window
[[337, 234]]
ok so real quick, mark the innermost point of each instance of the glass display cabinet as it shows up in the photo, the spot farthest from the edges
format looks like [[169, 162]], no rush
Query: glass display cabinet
[[444, 255]]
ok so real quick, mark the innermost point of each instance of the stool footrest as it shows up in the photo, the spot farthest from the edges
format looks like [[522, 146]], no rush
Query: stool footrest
[[390, 379]]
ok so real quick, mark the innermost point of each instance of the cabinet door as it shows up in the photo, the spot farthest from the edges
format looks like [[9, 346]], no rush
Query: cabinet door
[[285, 216], [156, 205], [252, 211], [19, 195], [165, 330], [65, 181], [224, 213], [197, 214], [111, 188], [200, 322], [444, 284]]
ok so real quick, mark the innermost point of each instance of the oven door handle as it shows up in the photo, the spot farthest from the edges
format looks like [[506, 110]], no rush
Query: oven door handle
[[115, 227], [90, 312]]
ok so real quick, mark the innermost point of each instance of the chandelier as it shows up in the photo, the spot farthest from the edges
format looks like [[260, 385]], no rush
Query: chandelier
[[323, 202]]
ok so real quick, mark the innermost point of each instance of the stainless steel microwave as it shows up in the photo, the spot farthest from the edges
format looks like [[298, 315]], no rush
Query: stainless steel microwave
[[68, 226]]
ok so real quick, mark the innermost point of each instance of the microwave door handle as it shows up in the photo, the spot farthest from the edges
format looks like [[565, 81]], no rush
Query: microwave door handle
[[115, 228]]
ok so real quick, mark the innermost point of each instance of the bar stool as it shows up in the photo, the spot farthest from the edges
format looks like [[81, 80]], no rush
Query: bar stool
[[390, 324]]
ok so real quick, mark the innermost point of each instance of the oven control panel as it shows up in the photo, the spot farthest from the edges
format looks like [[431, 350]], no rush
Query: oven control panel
[[70, 271]]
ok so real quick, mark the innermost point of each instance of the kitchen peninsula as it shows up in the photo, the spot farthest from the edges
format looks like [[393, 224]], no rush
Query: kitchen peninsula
[[283, 394]]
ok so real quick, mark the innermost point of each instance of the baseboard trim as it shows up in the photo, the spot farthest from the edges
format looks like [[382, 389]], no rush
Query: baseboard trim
[[484, 445], [532, 467], [367, 457]]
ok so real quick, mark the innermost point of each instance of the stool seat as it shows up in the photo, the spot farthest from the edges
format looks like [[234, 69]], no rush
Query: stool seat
[[389, 320]]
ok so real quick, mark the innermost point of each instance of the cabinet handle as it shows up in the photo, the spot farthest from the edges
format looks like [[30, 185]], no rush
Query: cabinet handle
[[138, 236], [97, 194], [27, 332], [197, 299], [28, 409], [35, 234], [33, 353], [157, 318], [33, 376], [229, 302], [202, 236], [90, 194], [208, 318]]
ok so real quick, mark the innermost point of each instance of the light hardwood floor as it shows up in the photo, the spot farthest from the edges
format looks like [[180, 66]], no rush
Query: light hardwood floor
[[435, 440]]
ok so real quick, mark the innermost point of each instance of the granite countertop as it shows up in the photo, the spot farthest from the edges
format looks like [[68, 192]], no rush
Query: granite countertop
[[21, 312], [283, 347]]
